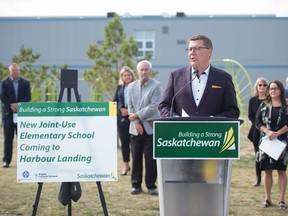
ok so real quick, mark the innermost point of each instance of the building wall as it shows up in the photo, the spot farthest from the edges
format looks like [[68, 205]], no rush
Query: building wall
[[258, 43]]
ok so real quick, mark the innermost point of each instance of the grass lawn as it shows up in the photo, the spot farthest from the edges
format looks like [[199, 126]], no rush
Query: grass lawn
[[18, 198]]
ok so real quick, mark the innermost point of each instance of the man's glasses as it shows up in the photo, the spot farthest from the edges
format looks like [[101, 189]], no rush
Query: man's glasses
[[260, 85], [196, 49]]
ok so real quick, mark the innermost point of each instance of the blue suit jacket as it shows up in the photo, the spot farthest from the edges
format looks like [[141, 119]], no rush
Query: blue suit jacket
[[219, 97], [8, 95]]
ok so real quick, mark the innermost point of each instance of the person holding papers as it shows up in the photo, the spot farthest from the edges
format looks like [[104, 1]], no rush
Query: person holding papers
[[143, 99], [272, 121]]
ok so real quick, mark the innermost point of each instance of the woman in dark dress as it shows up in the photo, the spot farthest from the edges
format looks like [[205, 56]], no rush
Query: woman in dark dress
[[260, 91], [272, 121], [126, 76]]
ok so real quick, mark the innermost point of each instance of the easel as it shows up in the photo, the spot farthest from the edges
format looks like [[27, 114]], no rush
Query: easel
[[69, 81]]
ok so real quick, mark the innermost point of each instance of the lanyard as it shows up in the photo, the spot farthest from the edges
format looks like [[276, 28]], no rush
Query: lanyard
[[269, 117]]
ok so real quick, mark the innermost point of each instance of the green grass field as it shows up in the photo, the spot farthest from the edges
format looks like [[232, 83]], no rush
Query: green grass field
[[18, 198]]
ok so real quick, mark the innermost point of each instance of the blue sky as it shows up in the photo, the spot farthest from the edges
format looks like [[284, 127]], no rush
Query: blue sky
[[139, 7]]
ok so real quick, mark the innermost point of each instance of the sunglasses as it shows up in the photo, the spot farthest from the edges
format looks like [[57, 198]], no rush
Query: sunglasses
[[260, 85]]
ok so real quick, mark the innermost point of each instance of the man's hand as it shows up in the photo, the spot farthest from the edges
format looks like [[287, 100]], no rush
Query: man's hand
[[139, 128], [133, 116], [14, 107], [124, 112]]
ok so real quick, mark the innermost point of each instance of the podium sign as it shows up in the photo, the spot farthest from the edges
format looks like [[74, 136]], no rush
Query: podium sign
[[197, 139]]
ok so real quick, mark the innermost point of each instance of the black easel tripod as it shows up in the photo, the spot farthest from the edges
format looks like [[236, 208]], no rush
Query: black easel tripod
[[69, 81]]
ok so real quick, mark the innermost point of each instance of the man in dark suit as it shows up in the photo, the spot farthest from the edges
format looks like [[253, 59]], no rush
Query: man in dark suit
[[211, 93], [198, 90], [14, 89]]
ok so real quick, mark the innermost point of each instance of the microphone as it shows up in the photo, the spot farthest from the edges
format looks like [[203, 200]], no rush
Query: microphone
[[173, 98]]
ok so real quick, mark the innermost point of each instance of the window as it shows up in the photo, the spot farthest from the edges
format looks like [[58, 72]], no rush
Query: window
[[146, 43], [181, 42], [165, 30]]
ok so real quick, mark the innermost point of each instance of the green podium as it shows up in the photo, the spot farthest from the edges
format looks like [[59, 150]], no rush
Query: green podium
[[194, 164]]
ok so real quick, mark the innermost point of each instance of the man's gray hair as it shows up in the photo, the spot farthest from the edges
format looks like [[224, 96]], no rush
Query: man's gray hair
[[14, 64], [144, 62]]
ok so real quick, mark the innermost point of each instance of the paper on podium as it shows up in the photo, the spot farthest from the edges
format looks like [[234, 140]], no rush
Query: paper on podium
[[184, 114], [273, 147]]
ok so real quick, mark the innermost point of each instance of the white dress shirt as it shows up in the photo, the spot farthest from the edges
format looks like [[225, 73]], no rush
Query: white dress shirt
[[199, 84]]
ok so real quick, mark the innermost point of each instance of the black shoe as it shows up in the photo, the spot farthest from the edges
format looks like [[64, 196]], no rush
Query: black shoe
[[153, 192], [282, 205], [136, 191], [124, 173], [5, 164], [266, 204], [257, 182]]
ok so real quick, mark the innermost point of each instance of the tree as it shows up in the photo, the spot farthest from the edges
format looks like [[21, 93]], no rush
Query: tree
[[26, 59], [115, 52]]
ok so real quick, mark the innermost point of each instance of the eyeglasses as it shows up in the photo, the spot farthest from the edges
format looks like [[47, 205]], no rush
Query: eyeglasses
[[274, 89], [260, 85], [196, 49]]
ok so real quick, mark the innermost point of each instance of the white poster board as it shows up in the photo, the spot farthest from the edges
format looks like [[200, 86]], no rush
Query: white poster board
[[66, 142]]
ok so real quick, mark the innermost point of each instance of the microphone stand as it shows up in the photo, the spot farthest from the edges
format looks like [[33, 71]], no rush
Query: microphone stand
[[173, 98]]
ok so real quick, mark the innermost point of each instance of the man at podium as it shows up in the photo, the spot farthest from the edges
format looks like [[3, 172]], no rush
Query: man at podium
[[199, 89]]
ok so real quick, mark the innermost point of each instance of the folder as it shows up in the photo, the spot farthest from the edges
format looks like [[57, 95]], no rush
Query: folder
[[273, 148]]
